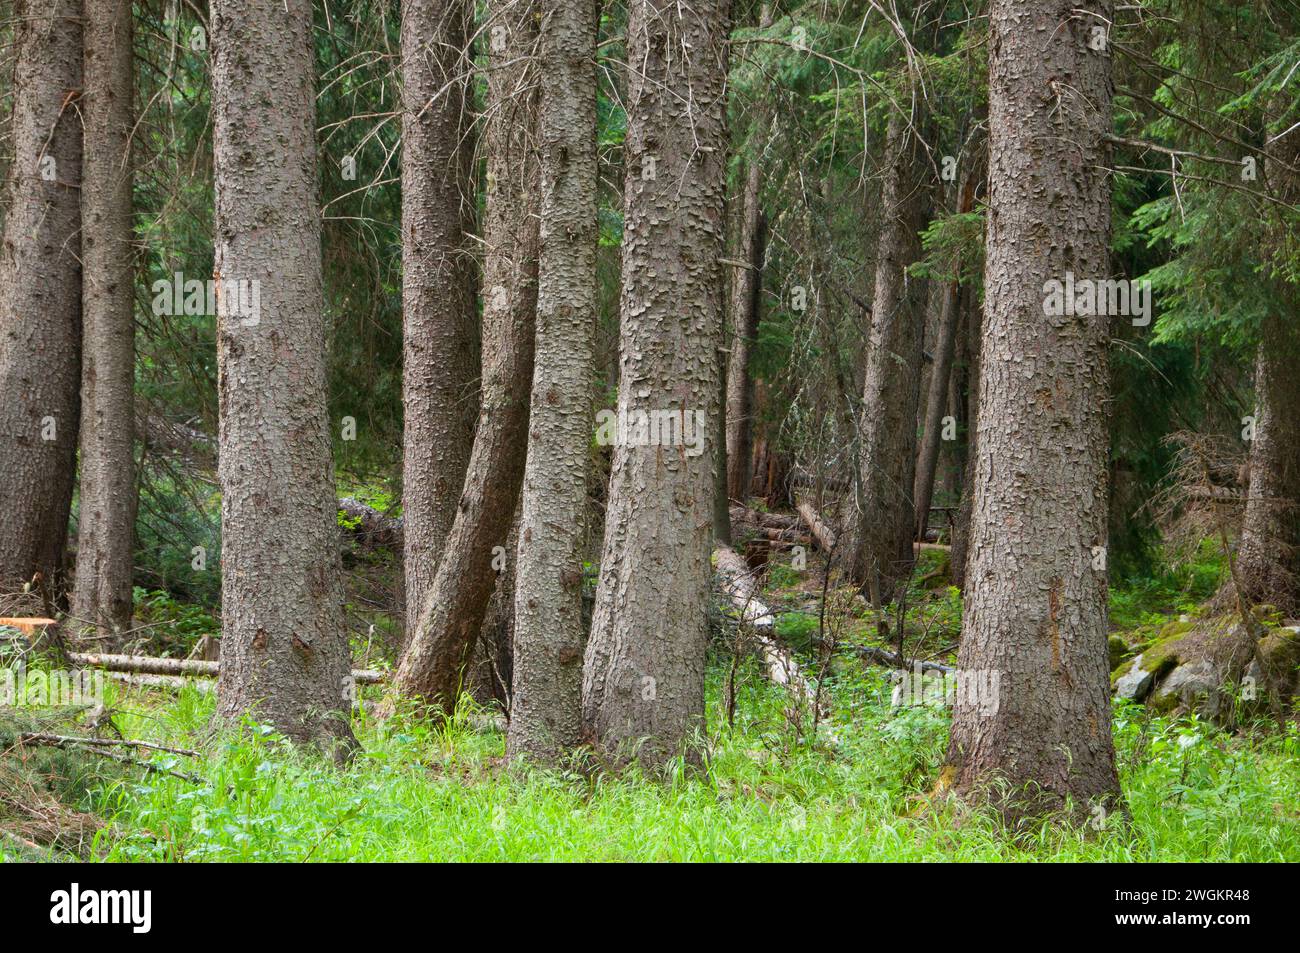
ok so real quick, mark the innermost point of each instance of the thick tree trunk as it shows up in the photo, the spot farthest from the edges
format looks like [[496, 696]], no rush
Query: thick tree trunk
[[106, 525], [433, 665], [883, 556], [1268, 566], [284, 651], [440, 334], [546, 703], [643, 677], [1035, 616], [40, 297]]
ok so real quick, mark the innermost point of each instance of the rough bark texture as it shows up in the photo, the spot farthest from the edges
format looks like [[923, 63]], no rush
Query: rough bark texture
[[106, 522], [546, 702], [40, 296], [1268, 566], [643, 678], [1035, 609], [440, 334], [433, 666], [883, 555], [284, 651]]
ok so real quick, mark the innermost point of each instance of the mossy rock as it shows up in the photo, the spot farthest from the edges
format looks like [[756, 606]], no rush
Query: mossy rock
[[1119, 652]]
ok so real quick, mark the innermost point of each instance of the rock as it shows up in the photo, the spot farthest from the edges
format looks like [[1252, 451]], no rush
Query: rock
[[1135, 684], [1193, 685], [1119, 651]]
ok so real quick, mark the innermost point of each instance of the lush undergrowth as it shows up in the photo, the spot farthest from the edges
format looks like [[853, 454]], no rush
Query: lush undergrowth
[[440, 791]]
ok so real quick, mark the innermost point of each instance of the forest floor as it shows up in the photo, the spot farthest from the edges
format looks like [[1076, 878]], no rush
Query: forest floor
[[855, 788]]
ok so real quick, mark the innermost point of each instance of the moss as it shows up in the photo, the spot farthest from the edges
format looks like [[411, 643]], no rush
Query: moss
[[1119, 652]]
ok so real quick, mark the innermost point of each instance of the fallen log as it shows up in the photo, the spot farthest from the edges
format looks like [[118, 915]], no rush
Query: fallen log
[[743, 514], [60, 741], [879, 656], [741, 588], [194, 668], [824, 535]]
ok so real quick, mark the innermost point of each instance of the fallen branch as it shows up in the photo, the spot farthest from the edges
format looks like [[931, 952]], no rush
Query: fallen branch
[[195, 668], [879, 656], [740, 588], [820, 531], [59, 741]]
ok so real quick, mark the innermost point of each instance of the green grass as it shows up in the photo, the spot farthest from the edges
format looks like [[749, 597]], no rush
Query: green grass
[[425, 791]]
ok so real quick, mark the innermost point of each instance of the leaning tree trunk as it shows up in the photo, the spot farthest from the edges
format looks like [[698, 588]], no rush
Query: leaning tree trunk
[[284, 650], [546, 702], [1035, 615], [439, 333], [433, 665], [883, 555], [106, 525], [643, 678], [945, 349], [40, 297]]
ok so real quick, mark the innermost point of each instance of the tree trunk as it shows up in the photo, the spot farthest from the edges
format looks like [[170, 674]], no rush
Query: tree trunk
[[546, 702], [440, 336], [1035, 611], [643, 677], [284, 651], [945, 349], [40, 297], [106, 525], [1268, 566], [433, 665], [962, 522], [745, 309], [883, 556], [936, 405]]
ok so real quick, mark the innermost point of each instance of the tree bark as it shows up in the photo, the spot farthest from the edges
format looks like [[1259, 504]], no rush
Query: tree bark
[[439, 321], [1268, 565], [745, 309], [40, 297], [284, 651], [546, 702], [883, 555], [102, 596], [643, 677], [962, 523], [432, 667], [945, 349], [1035, 611]]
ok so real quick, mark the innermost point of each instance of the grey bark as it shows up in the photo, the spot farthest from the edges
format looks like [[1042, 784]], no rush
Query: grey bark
[[439, 323], [744, 309], [1268, 566], [936, 405], [945, 349], [643, 676], [284, 650], [432, 667], [40, 297], [546, 701], [1035, 609], [883, 557], [102, 596]]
